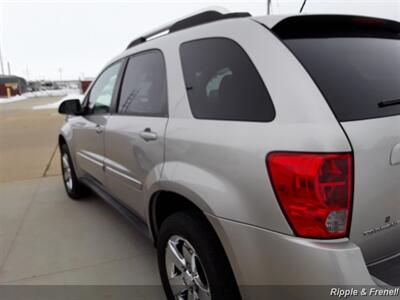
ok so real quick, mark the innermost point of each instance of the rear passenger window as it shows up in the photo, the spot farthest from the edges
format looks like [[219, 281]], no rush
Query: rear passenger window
[[144, 88], [222, 83]]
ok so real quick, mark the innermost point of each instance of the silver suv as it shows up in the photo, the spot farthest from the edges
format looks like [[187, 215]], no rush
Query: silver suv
[[253, 151]]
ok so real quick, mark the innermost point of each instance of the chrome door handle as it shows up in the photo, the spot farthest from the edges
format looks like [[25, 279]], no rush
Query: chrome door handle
[[148, 135], [99, 128]]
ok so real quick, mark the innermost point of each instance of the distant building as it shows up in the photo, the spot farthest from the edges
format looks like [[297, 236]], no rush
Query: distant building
[[85, 83], [12, 85], [34, 86]]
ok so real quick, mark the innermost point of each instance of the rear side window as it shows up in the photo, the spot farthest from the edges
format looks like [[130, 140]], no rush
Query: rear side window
[[355, 62], [144, 87], [222, 83]]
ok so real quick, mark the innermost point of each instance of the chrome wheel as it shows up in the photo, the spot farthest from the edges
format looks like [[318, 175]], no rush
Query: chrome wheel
[[185, 271], [67, 172]]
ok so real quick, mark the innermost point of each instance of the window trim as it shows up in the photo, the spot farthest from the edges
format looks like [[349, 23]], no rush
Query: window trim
[[251, 62], [123, 72], [85, 101]]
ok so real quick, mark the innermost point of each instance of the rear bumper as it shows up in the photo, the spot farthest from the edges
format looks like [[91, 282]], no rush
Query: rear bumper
[[387, 271], [264, 258]]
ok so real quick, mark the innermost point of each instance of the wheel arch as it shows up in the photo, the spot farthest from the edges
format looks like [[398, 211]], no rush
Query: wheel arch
[[61, 140], [65, 138], [164, 203]]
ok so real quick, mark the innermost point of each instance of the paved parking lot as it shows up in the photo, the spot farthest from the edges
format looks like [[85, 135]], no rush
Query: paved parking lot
[[46, 238]]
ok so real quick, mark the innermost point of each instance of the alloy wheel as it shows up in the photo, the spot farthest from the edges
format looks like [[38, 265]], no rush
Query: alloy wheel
[[186, 275], [67, 174]]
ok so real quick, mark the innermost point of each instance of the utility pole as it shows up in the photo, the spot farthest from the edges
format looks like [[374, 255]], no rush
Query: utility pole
[[60, 70], [1, 62], [27, 72], [9, 68], [269, 7]]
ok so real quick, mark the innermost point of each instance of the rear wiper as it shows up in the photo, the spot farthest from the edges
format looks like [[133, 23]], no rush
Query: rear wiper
[[386, 103]]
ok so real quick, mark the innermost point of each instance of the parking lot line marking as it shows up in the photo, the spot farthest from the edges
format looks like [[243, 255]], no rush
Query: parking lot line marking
[[50, 161]]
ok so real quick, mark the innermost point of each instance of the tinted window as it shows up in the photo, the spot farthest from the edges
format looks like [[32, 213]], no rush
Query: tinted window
[[222, 83], [101, 93], [144, 88], [354, 74]]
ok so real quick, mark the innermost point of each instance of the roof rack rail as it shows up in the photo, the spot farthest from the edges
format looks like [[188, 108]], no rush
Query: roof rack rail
[[205, 17], [201, 17]]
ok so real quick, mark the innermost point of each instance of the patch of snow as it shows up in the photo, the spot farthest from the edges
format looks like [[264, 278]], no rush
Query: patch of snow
[[55, 105], [48, 93], [73, 96], [12, 99]]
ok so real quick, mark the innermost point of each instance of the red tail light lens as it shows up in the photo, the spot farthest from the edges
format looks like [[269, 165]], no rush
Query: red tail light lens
[[314, 191]]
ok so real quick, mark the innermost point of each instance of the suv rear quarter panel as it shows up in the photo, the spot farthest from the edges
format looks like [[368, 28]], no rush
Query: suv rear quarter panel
[[221, 164]]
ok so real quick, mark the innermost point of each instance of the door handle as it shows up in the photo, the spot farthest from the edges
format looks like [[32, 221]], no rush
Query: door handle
[[99, 128], [395, 157], [148, 135]]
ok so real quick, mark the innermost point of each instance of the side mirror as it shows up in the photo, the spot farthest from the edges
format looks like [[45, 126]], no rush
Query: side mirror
[[70, 107]]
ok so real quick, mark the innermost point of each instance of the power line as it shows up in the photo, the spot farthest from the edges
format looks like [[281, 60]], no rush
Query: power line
[[302, 7]]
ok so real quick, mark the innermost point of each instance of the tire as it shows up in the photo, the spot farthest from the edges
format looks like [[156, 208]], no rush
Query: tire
[[209, 274], [74, 188]]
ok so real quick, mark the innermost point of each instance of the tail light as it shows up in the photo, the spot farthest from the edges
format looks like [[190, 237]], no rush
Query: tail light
[[314, 191]]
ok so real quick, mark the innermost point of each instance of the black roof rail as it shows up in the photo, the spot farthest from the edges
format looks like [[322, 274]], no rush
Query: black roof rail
[[136, 42], [199, 18], [205, 17]]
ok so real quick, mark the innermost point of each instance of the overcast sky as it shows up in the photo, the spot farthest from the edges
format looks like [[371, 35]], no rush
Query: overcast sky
[[40, 38]]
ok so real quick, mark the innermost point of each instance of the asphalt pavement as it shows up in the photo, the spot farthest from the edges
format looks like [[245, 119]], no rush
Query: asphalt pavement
[[28, 139]]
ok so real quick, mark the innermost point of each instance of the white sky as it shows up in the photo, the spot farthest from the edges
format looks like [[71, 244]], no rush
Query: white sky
[[40, 37]]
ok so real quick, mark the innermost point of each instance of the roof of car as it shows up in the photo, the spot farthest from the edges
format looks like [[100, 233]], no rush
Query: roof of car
[[215, 14], [10, 78]]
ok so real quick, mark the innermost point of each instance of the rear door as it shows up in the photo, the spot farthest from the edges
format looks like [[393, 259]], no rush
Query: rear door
[[356, 64], [134, 137]]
